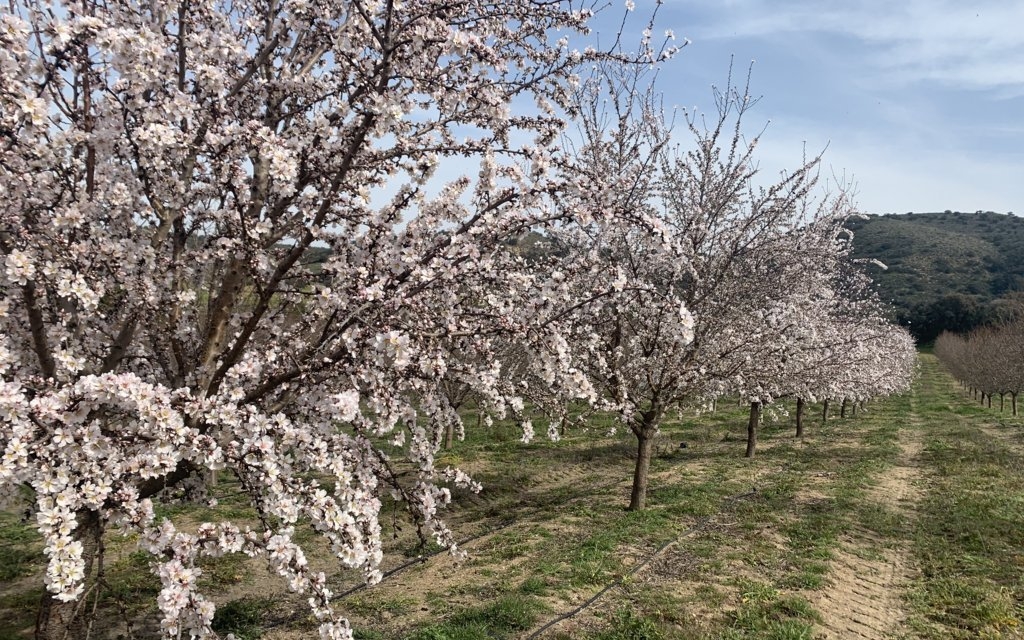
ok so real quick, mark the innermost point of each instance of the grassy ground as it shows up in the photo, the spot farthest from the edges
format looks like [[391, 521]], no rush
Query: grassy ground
[[728, 548]]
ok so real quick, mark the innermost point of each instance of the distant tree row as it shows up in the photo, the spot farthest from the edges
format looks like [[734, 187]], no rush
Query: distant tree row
[[988, 362]]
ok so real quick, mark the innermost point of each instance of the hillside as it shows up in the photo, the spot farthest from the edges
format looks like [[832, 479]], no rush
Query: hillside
[[948, 270]]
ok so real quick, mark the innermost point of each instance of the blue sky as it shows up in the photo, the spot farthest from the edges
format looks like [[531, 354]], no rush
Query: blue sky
[[921, 102]]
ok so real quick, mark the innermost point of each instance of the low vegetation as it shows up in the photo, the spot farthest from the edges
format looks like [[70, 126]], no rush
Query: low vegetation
[[728, 547]]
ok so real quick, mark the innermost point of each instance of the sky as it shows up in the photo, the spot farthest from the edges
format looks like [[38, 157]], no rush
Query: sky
[[918, 103]]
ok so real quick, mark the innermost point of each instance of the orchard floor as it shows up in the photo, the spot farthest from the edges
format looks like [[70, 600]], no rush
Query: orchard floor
[[904, 521]]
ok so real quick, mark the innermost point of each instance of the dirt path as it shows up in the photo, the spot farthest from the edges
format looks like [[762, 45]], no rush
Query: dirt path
[[868, 572]]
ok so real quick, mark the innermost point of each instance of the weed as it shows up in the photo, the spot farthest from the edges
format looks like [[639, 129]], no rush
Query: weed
[[500, 619], [627, 625], [243, 617], [534, 586]]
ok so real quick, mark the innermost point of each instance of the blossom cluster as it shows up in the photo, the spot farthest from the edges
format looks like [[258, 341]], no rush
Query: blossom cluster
[[225, 245]]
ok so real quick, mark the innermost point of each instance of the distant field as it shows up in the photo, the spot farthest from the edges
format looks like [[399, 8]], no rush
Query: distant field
[[902, 522]]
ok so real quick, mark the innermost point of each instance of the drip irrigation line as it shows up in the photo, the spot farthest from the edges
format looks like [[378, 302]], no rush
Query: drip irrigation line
[[460, 543], [700, 525], [423, 558]]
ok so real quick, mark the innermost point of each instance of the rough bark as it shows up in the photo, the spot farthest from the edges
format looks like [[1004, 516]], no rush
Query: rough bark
[[1013, 403], [58, 620], [1002, 401], [755, 417], [799, 417], [449, 436], [824, 412], [645, 445], [843, 407]]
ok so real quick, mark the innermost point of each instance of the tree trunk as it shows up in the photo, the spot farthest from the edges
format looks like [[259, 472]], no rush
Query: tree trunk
[[853, 407], [1002, 400], [799, 417], [842, 408], [58, 620], [645, 444], [824, 412], [988, 401], [1013, 402], [449, 436], [755, 417]]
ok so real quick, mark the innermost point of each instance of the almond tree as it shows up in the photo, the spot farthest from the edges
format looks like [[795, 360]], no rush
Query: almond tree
[[851, 349], [702, 308], [170, 170], [745, 280], [986, 361]]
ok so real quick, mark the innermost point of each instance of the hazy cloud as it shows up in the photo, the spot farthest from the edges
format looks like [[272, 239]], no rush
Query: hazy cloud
[[974, 45]]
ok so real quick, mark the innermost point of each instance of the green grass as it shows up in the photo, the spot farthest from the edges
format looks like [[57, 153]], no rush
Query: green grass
[[749, 541], [628, 625], [970, 539], [244, 617], [503, 618]]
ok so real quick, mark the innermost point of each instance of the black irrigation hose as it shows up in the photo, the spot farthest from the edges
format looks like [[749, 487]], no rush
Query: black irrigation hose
[[460, 543], [421, 559], [701, 524]]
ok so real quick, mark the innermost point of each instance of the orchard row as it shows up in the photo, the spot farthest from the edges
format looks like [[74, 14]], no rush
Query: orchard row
[[988, 362], [171, 170]]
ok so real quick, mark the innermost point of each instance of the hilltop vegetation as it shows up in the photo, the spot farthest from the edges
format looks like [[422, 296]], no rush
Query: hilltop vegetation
[[949, 270]]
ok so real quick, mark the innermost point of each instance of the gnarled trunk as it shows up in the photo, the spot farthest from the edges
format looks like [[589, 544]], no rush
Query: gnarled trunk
[[799, 417], [644, 433], [645, 445], [755, 417], [59, 620]]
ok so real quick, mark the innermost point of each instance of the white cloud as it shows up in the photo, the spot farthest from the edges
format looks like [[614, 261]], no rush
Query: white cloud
[[973, 45]]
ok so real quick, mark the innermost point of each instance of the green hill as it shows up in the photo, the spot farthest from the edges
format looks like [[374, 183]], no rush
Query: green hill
[[948, 270]]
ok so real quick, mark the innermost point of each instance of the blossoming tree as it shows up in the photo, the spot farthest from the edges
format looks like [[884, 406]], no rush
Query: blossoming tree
[[702, 303], [169, 169]]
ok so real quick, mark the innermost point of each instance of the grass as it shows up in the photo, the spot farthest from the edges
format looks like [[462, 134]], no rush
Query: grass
[[749, 542], [244, 617], [502, 618], [970, 540]]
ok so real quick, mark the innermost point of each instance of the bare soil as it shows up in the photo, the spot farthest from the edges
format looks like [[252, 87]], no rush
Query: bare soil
[[868, 574]]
